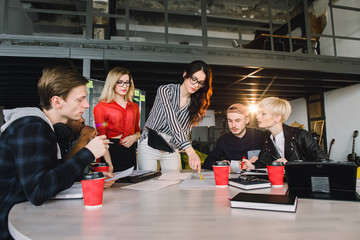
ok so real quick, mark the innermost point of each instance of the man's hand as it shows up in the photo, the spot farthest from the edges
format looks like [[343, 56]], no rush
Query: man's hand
[[98, 146], [253, 159], [246, 164]]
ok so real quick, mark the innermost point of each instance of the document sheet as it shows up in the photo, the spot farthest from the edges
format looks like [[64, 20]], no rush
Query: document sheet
[[151, 185]]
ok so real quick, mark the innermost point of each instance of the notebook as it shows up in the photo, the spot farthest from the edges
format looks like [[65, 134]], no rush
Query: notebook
[[270, 202], [138, 176], [248, 183], [158, 142], [322, 180]]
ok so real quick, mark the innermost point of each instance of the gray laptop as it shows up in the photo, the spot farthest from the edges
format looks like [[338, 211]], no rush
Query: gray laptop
[[322, 180]]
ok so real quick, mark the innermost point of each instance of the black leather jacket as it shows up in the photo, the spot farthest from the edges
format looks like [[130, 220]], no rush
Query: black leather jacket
[[299, 145]]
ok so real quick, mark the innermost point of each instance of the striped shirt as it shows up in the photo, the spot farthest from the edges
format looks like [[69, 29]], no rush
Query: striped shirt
[[166, 117]]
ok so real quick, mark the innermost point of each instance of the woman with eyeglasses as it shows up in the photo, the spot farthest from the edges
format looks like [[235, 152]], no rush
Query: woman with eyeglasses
[[118, 117], [176, 109]]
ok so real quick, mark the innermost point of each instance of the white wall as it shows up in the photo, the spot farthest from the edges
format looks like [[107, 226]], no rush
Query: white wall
[[342, 113], [298, 113]]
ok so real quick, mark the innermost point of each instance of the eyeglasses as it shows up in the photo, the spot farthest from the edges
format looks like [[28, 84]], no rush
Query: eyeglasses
[[194, 81], [122, 83]]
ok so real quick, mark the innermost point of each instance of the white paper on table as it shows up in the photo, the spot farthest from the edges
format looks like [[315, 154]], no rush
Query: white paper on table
[[75, 191], [174, 176], [205, 175], [197, 183], [121, 174], [151, 185], [194, 181]]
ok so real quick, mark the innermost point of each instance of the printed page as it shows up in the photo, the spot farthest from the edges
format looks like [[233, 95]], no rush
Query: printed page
[[205, 175], [121, 174], [75, 191], [151, 185], [197, 183], [235, 167], [174, 176], [194, 181]]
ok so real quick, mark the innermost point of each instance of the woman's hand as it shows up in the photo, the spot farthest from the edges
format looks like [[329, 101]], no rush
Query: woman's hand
[[194, 160], [107, 175], [107, 159], [128, 141], [283, 160], [111, 168]]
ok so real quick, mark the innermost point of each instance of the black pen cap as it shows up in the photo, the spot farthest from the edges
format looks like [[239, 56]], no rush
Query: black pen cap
[[92, 175], [221, 163], [101, 164], [276, 164]]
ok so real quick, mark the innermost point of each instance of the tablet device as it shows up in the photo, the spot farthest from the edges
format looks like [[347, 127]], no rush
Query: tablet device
[[158, 142]]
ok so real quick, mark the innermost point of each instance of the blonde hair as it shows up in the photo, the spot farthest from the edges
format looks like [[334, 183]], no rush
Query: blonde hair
[[276, 106], [108, 92]]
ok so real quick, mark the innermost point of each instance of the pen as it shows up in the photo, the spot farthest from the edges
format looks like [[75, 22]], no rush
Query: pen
[[242, 163], [257, 171], [201, 177], [111, 143]]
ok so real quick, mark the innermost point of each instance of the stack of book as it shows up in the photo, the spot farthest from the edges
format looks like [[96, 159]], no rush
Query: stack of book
[[249, 183]]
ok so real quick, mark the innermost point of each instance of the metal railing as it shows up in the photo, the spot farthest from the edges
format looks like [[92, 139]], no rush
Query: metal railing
[[163, 41]]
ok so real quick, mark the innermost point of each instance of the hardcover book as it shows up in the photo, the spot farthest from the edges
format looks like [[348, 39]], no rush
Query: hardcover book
[[249, 183], [270, 202]]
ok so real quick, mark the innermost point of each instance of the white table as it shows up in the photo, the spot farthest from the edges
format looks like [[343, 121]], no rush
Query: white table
[[173, 213]]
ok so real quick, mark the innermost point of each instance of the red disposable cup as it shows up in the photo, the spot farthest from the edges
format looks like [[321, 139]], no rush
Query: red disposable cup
[[276, 174], [221, 173], [100, 167], [93, 188]]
